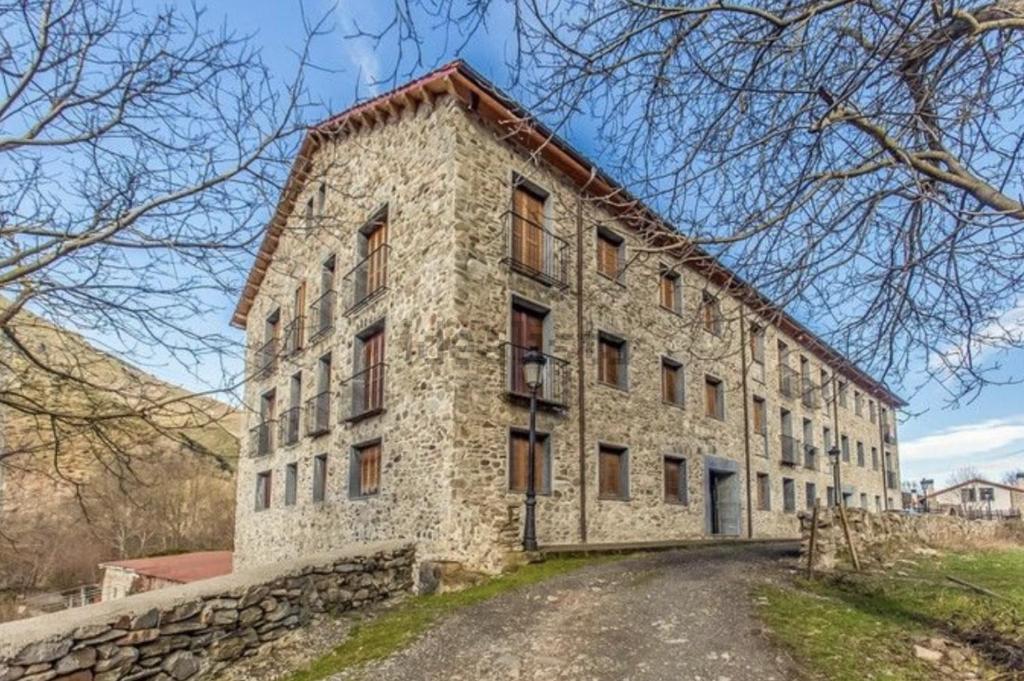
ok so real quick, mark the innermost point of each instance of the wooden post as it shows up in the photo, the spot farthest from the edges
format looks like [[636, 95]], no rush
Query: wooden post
[[849, 540], [813, 542]]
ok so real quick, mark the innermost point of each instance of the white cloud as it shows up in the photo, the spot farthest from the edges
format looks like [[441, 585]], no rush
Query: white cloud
[[964, 441], [1004, 332]]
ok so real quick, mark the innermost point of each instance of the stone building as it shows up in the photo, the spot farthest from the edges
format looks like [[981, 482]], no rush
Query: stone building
[[424, 240]]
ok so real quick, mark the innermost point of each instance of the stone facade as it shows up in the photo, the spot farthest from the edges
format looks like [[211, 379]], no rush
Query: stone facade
[[447, 178], [195, 630]]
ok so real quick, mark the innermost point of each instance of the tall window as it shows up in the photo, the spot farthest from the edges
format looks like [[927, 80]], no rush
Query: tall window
[[263, 490], [710, 314], [528, 228], [675, 480], [291, 482], [757, 343], [670, 290], [528, 333], [372, 242], [842, 389], [860, 454], [613, 475], [610, 253], [319, 478], [788, 495], [672, 391], [872, 411], [365, 467], [764, 492], [714, 398], [874, 458], [369, 385], [611, 360], [811, 494], [863, 501], [858, 403], [518, 462], [759, 413], [844, 445], [298, 333]]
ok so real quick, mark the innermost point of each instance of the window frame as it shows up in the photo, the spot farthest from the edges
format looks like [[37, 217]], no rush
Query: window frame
[[810, 495], [764, 492], [711, 302], [603, 233], [710, 379], [609, 338], [291, 484], [355, 479], [545, 486], [669, 274], [788, 495], [679, 381], [623, 453], [264, 491], [682, 497], [318, 482]]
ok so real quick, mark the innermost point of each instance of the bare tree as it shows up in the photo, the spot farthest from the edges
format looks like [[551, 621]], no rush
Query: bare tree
[[141, 152], [963, 474], [859, 162], [1013, 478]]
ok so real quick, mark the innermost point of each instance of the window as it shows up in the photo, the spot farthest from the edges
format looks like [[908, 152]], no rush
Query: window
[[878, 503], [675, 480], [826, 438], [714, 399], [757, 343], [710, 314], [297, 336], [319, 478], [371, 273], [863, 500], [788, 495], [764, 492], [518, 463], [263, 491], [610, 253], [830, 496], [860, 454], [760, 413], [309, 215], [528, 228], [365, 470], [672, 389], [811, 492], [872, 411], [874, 458], [826, 397], [530, 329], [842, 394], [321, 199], [858, 403], [967, 495], [291, 482], [368, 386], [670, 289], [611, 360], [613, 474], [318, 409], [844, 445]]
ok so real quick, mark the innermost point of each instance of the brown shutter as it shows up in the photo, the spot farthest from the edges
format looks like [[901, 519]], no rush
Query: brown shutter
[[376, 265], [668, 292], [610, 473], [527, 229], [369, 469], [671, 480], [607, 256], [669, 383], [710, 399]]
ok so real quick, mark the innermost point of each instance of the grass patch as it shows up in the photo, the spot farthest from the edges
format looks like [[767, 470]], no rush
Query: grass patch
[[865, 627], [395, 628]]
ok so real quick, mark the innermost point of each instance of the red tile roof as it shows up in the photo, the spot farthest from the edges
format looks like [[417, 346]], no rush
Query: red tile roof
[[182, 568]]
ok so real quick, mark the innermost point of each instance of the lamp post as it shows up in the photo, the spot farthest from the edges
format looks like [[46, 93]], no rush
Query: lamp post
[[533, 376], [833, 456]]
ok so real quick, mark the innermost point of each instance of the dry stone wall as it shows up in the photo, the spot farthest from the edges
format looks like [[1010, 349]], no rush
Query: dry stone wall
[[195, 630]]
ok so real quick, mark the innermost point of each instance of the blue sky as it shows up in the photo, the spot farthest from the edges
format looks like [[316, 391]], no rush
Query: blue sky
[[987, 434]]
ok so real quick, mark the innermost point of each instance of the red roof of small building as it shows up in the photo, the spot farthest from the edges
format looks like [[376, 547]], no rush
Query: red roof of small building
[[182, 568]]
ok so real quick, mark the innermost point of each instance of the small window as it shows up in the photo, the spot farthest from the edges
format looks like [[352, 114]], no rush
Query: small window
[[863, 500], [874, 458], [319, 478], [321, 199], [858, 403], [613, 473], [714, 399], [860, 454], [764, 492], [788, 495], [757, 343], [967, 495], [760, 415], [291, 481], [365, 470], [844, 445], [675, 480], [672, 388], [711, 314], [518, 462], [610, 253], [671, 291], [878, 503], [611, 360], [310, 214], [811, 494], [872, 411], [830, 496], [263, 490], [842, 388]]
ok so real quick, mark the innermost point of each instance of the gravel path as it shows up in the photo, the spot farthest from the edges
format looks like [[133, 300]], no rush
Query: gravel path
[[680, 615]]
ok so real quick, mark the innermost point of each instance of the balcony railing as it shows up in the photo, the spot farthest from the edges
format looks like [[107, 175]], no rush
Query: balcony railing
[[811, 458], [891, 481], [321, 316], [790, 449], [890, 437], [294, 335], [318, 414], [789, 381], [266, 358], [362, 395], [367, 280], [535, 251], [811, 393], [289, 431], [554, 388], [261, 438]]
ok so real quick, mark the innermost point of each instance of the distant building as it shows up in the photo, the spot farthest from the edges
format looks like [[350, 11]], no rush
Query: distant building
[[126, 577], [975, 498]]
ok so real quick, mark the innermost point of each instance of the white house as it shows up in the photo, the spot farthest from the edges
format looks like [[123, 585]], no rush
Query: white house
[[976, 498]]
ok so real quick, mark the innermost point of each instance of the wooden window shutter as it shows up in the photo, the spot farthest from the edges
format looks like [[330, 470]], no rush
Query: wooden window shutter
[[610, 472], [519, 465], [528, 229], [672, 480], [369, 469]]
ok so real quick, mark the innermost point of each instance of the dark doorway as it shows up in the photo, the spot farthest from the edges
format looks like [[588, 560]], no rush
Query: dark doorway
[[724, 505]]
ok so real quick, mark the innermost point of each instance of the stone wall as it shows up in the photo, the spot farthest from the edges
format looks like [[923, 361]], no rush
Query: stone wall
[[880, 538], [192, 631]]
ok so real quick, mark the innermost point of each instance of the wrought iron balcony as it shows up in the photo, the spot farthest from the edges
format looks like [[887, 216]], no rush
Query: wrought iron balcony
[[289, 431], [811, 393], [321, 316], [266, 358], [535, 251], [261, 438], [294, 335], [790, 450], [789, 381], [367, 280], [362, 395], [811, 458], [318, 414], [891, 481], [554, 388]]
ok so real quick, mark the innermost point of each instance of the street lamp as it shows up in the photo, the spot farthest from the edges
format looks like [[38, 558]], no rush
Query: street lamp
[[533, 376], [833, 456]]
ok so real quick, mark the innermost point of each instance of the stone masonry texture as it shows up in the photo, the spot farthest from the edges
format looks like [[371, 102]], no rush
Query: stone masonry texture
[[446, 180], [195, 630]]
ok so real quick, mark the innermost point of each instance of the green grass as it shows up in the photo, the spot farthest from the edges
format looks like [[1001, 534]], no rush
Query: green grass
[[865, 627], [393, 629]]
